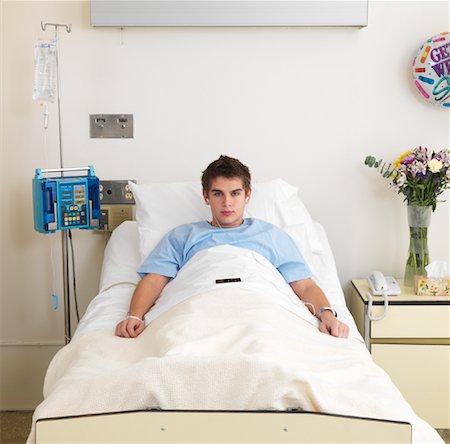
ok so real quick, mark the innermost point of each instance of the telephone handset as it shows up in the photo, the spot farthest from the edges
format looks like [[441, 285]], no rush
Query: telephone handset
[[381, 285]]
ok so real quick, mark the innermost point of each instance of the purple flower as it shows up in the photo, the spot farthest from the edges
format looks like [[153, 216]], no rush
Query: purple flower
[[408, 159], [422, 176]]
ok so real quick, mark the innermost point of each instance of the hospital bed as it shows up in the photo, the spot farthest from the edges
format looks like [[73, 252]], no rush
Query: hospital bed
[[242, 362]]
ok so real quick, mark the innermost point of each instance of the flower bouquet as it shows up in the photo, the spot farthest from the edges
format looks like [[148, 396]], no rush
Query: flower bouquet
[[421, 176]]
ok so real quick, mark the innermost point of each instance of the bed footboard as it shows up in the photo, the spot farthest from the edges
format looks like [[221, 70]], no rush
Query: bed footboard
[[157, 426]]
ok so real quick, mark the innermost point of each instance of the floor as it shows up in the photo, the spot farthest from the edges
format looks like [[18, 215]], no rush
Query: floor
[[15, 427]]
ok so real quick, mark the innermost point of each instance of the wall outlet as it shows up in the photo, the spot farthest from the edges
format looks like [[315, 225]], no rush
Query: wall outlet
[[111, 126], [113, 215], [116, 192]]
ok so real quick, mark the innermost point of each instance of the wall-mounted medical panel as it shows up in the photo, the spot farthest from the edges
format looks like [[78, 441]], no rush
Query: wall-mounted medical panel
[[124, 13], [111, 126], [116, 192]]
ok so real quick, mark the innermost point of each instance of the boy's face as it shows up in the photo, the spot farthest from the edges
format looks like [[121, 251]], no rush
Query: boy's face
[[227, 199]]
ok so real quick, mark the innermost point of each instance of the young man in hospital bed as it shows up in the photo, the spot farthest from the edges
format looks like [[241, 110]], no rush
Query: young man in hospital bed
[[226, 189]]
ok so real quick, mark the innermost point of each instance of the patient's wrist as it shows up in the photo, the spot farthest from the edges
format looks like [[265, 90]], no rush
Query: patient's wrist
[[131, 315], [329, 310]]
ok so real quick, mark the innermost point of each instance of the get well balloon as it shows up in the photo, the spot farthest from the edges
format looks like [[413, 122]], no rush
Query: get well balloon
[[431, 70]]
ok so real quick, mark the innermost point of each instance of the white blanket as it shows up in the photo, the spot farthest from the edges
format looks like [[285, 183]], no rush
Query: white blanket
[[255, 272], [226, 349]]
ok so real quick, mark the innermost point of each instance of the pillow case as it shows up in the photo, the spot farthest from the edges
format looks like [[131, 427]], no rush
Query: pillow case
[[161, 207], [121, 258]]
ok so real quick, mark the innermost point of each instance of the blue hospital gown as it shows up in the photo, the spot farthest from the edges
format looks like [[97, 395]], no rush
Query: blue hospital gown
[[183, 242]]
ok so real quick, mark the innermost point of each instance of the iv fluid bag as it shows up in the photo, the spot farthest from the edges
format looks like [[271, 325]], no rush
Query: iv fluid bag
[[44, 87]]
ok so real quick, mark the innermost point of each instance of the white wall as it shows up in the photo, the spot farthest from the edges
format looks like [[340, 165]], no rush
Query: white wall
[[304, 104]]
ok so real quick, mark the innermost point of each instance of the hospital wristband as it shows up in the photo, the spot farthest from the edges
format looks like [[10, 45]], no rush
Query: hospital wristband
[[329, 309], [130, 316]]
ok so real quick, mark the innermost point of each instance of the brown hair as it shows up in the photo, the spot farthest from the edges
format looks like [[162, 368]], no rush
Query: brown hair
[[226, 167]]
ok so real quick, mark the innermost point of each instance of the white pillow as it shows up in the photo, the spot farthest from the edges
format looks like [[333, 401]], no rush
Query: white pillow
[[121, 258], [164, 206], [161, 207], [279, 203]]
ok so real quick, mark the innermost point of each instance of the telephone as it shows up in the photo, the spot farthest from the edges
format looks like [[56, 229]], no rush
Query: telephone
[[381, 285]]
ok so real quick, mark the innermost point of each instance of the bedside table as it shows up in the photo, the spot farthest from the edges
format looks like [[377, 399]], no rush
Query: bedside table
[[412, 344]]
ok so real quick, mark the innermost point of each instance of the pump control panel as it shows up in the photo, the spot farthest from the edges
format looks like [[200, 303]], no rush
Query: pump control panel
[[66, 202]]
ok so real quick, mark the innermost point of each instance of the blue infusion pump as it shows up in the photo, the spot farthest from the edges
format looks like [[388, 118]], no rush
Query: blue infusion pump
[[66, 202]]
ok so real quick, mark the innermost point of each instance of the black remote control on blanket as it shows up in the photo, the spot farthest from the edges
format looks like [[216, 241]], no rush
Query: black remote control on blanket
[[226, 280]]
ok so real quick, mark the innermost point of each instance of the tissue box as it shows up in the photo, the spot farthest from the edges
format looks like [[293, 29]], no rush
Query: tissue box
[[432, 286]]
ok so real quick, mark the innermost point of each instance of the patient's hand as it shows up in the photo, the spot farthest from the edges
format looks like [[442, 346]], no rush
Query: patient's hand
[[332, 326], [130, 328]]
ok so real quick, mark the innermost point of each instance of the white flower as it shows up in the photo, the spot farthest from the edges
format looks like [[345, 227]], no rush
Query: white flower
[[421, 167], [421, 154], [444, 157], [400, 180], [435, 165]]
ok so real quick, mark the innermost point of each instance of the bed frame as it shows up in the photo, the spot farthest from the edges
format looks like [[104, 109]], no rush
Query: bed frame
[[208, 427]]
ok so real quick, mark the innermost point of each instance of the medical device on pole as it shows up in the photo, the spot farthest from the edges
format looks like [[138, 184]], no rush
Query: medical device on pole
[[62, 202]]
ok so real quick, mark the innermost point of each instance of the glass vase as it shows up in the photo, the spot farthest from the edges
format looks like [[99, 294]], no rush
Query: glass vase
[[418, 256]]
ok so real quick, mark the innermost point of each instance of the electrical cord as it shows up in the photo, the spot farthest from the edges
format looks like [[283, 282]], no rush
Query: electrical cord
[[74, 277], [134, 284]]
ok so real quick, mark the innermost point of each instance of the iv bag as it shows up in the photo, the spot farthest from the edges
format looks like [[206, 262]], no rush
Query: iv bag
[[44, 87]]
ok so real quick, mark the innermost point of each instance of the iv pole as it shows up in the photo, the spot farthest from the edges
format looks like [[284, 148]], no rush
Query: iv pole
[[64, 233]]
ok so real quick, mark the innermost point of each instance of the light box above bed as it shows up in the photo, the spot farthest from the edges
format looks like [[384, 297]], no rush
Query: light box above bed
[[122, 13]]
